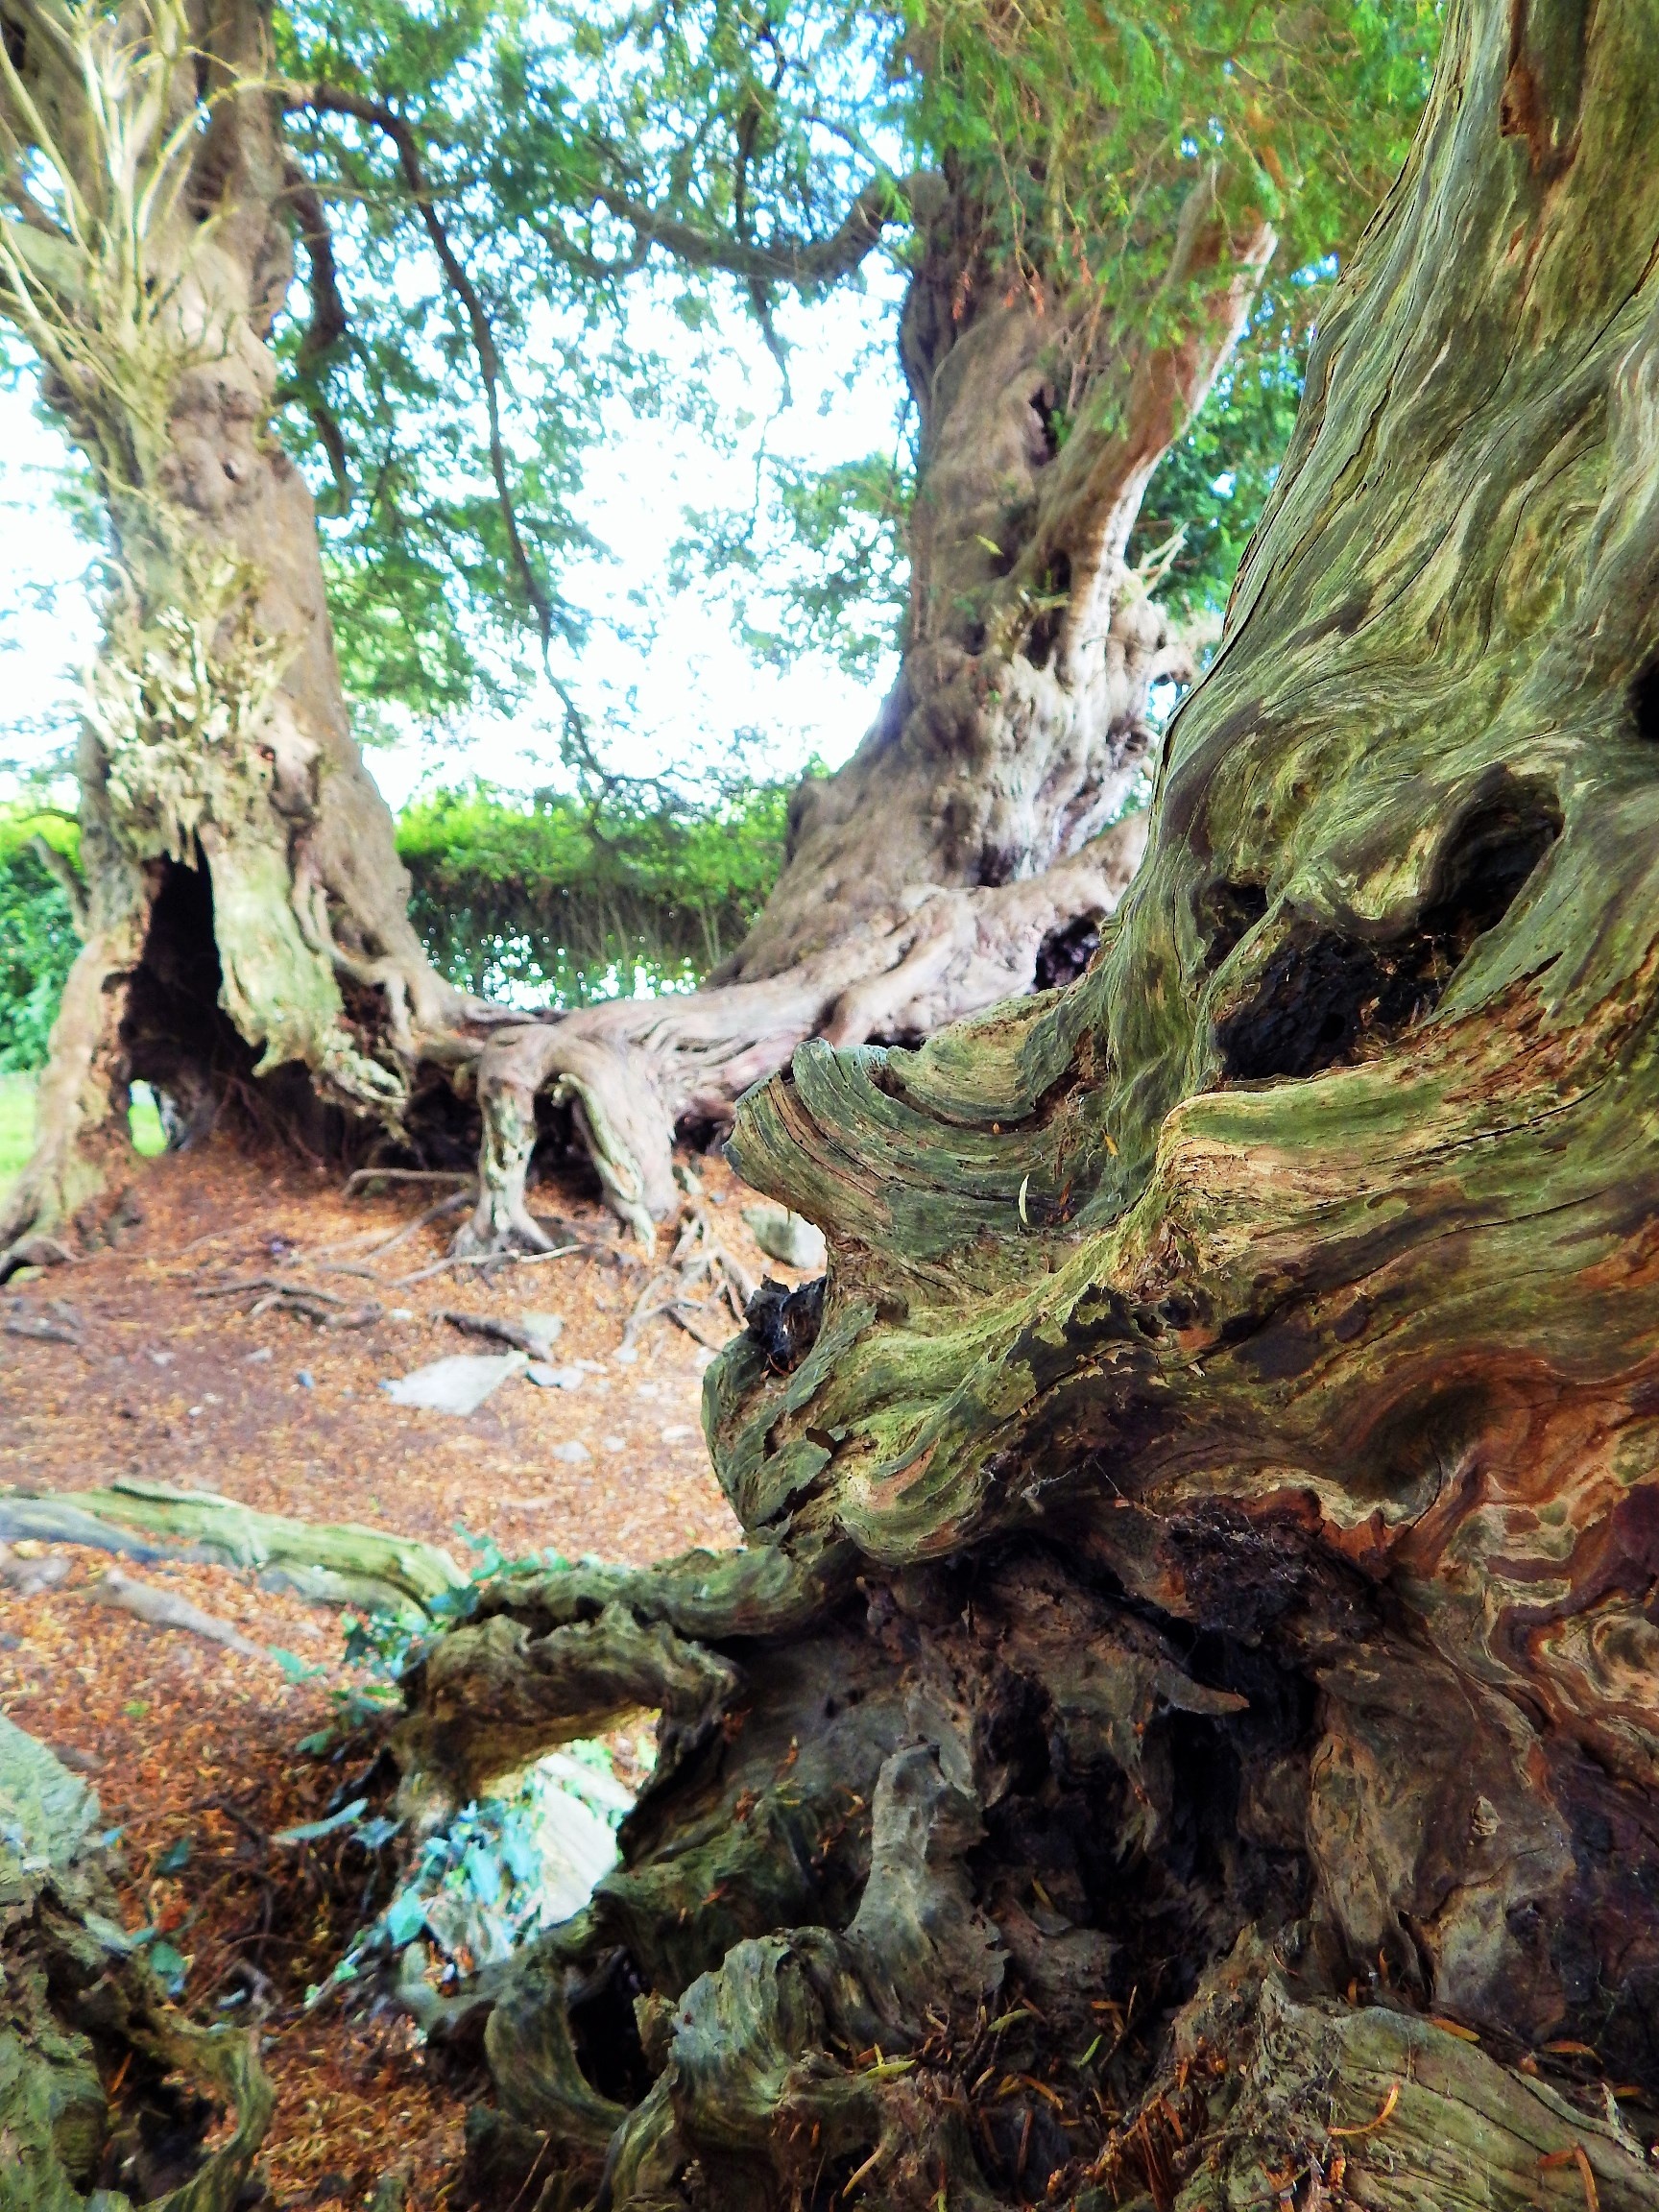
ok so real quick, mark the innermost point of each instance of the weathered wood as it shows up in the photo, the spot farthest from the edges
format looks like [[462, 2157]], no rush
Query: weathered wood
[[1224, 1448]]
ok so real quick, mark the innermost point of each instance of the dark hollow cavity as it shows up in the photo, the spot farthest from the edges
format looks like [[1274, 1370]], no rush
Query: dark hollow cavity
[[1326, 994], [784, 1323], [1645, 703], [1226, 912], [1065, 952]]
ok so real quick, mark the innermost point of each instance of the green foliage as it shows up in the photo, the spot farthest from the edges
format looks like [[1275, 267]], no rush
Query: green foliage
[[824, 572], [1210, 486], [1089, 123], [38, 935], [556, 900], [17, 1125]]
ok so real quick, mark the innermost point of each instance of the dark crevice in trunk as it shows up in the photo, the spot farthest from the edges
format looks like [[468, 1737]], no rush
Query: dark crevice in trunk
[[175, 1036], [605, 2030], [1326, 994], [1229, 912], [1643, 696], [1049, 620], [1065, 953], [784, 1323]]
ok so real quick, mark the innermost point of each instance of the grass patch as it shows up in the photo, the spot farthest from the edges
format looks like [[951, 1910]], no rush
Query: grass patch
[[17, 1125], [144, 1121]]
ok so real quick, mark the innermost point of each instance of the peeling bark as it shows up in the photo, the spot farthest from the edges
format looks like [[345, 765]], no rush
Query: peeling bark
[[1199, 1744]]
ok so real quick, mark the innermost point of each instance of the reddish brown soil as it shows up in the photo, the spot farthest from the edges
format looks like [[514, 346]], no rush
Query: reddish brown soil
[[189, 1742]]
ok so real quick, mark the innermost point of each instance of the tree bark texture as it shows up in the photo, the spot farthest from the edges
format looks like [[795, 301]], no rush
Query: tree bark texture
[[972, 845], [236, 848], [1184, 1727]]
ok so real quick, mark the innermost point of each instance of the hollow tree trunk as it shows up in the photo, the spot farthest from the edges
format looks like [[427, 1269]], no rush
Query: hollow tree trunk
[[1184, 1727], [971, 846], [216, 743]]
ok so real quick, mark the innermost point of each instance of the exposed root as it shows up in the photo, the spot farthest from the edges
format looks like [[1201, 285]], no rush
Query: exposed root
[[166, 1609], [33, 1252], [536, 1334], [60, 1324], [973, 1879], [372, 1245], [365, 1179], [275, 1295], [699, 1262], [332, 1565], [630, 1069]]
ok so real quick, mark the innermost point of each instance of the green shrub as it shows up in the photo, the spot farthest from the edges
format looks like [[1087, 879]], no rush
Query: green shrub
[[551, 902], [38, 937]]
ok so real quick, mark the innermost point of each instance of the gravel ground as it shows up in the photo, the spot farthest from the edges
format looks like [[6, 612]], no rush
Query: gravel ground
[[193, 1747]]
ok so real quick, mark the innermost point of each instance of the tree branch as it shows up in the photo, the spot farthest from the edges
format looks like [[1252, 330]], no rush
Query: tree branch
[[332, 100], [328, 321], [67, 879], [803, 262]]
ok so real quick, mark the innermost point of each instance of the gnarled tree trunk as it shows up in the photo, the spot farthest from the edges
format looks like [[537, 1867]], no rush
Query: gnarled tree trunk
[[972, 846], [241, 871], [1185, 1725]]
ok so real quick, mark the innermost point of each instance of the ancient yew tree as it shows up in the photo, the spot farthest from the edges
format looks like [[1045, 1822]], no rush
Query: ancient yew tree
[[1079, 273], [1086, 234], [1183, 1726], [236, 854]]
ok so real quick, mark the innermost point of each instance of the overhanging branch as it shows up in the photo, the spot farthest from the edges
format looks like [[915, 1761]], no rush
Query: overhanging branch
[[332, 100], [781, 259], [328, 321]]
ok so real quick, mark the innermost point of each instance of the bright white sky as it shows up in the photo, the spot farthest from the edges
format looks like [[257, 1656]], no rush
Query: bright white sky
[[692, 686]]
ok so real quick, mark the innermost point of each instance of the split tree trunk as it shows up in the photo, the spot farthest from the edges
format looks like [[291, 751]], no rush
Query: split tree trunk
[[242, 875], [1184, 1727], [972, 845]]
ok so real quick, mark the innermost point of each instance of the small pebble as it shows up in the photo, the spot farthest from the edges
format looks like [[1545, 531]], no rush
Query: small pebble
[[163, 1358], [556, 1378], [677, 1432], [571, 1453], [254, 1357], [613, 1443], [625, 1355], [305, 1379]]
